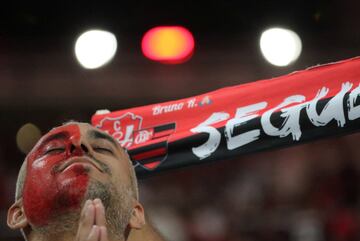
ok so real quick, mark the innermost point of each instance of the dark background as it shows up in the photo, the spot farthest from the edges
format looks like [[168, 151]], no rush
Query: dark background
[[304, 193]]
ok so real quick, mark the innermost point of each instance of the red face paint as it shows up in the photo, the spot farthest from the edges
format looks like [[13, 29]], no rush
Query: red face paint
[[48, 192]]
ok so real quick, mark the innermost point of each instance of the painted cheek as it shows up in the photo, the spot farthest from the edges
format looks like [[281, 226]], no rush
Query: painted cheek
[[47, 194]]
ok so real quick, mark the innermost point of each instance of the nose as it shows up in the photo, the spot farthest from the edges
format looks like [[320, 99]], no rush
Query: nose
[[78, 150]]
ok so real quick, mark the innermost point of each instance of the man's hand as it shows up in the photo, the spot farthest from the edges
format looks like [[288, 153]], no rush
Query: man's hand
[[92, 226]]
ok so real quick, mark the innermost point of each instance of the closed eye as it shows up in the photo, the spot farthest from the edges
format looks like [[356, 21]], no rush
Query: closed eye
[[54, 150], [103, 150]]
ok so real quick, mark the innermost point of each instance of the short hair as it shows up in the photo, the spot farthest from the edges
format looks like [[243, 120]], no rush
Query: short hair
[[20, 181], [133, 179]]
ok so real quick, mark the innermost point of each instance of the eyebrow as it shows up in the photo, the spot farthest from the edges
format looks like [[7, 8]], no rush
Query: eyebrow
[[60, 135], [100, 135]]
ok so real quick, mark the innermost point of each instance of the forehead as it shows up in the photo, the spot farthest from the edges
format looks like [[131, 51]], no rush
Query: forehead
[[72, 126], [79, 131]]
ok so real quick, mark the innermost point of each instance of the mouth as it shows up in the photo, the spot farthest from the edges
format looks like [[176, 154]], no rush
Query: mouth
[[78, 160]]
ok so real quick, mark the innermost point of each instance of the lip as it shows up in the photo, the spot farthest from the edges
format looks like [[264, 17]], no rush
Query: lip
[[81, 159]]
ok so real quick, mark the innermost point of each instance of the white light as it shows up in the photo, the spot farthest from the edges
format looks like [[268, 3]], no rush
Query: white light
[[95, 48], [280, 46]]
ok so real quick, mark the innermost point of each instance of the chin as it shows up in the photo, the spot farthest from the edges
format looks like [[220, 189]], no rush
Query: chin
[[71, 190], [97, 189]]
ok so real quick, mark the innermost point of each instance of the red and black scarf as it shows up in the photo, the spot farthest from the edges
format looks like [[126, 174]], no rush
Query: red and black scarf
[[302, 106]]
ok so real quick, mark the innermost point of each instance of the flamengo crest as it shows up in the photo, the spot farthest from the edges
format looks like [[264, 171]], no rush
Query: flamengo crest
[[126, 129]]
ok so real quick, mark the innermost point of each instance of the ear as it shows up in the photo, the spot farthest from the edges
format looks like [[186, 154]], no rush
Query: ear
[[137, 220], [16, 218]]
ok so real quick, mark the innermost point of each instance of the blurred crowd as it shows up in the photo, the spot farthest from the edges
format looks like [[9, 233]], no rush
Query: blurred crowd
[[303, 193]]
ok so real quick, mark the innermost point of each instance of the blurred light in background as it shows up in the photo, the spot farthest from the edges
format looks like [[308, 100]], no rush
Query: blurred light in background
[[280, 46], [95, 48], [168, 44], [27, 136]]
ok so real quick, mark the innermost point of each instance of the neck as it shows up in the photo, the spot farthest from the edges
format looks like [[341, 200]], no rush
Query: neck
[[48, 237], [65, 228], [56, 237]]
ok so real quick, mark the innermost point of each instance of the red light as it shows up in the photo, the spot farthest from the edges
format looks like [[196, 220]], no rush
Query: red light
[[170, 44]]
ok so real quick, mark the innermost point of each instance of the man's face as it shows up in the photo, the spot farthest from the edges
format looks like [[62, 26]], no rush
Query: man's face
[[62, 165]]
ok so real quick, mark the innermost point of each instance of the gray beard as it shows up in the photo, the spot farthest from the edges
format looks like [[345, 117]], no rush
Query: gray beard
[[117, 206], [117, 211]]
